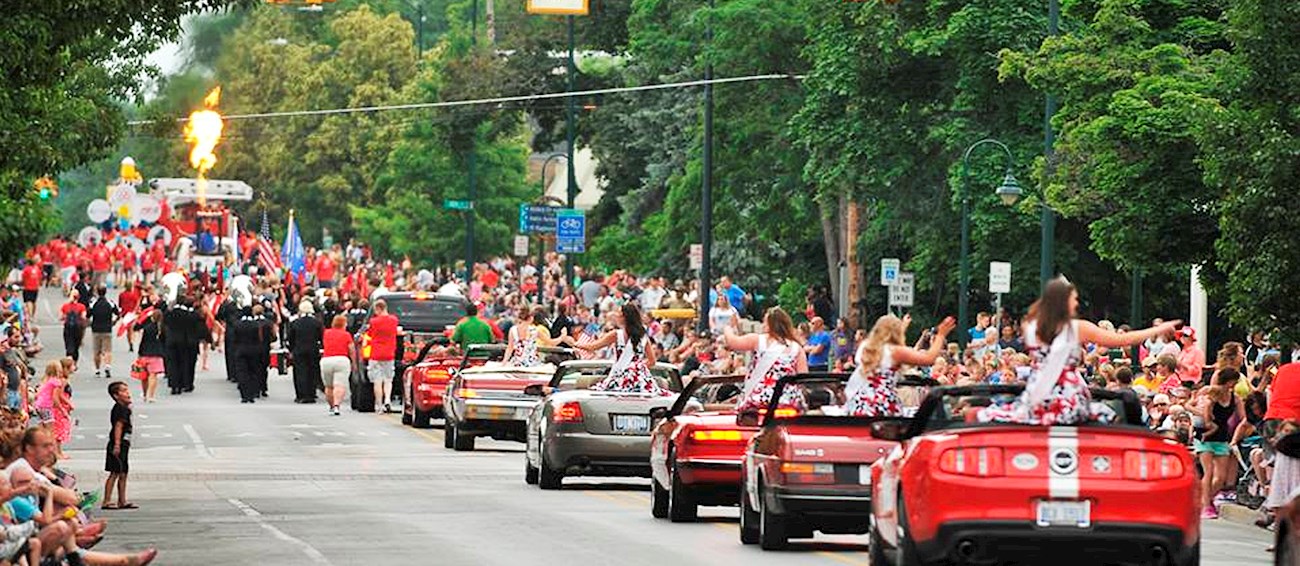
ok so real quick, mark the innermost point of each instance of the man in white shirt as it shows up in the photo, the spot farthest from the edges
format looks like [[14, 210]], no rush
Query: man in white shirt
[[653, 294]]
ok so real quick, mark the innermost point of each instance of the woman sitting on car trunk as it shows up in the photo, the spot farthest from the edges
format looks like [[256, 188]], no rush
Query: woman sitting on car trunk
[[526, 336], [634, 353], [871, 391], [1055, 393], [777, 353]]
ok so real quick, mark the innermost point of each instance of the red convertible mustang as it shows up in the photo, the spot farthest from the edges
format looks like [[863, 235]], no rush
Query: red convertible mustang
[[809, 466], [696, 449], [963, 492]]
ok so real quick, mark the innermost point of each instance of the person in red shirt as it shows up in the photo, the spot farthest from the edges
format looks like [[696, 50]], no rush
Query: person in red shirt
[[124, 264], [100, 262], [129, 301], [326, 270], [73, 316], [383, 330], [31, 278]]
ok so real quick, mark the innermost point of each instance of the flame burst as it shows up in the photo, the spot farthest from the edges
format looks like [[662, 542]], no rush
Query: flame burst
[[203, 131]]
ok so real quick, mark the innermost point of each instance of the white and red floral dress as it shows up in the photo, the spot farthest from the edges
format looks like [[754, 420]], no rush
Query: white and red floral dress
[[524, 351], [873, 392], [772, 361], [1069, 401], [630, 374]]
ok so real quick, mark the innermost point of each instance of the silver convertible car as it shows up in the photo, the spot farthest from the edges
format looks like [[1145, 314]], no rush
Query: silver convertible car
[[575, 431]]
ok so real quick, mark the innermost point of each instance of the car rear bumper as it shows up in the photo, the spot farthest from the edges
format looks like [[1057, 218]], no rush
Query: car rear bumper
[[710, 471], [1003, 541], [583, 453]]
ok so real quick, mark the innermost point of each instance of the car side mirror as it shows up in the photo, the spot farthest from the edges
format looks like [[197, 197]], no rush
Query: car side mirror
[[658, 413], [891, 429], [536, 390], [749, 418]]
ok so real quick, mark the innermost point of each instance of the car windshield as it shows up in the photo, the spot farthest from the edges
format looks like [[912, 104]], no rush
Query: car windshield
[[821, 398], [955, 407], [584, 377], [425, 313], [713, 396]]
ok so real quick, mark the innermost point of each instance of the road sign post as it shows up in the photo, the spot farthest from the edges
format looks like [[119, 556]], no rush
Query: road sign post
[[521, 246], [889, 268], [901, 292], [999, 277], [457, 204], [696, 256], [570, 231]]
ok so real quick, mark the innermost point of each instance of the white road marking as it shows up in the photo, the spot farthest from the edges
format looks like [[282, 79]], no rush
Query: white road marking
[[198, 442], [309, 550]]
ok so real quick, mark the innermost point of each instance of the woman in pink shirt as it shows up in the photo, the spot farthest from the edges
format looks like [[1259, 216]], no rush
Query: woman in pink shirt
[[1191, 359]]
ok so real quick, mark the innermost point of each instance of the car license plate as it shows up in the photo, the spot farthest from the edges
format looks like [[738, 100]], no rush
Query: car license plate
[[631, 424], [1064, 514]]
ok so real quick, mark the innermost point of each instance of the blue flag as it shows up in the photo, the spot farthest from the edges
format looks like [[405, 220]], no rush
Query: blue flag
[[293, 254]]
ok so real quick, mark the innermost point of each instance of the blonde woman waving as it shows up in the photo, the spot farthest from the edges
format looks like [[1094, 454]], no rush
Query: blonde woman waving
[[872, 390]]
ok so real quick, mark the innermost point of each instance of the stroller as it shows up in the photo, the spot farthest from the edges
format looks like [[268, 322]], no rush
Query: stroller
[[1251, 491]]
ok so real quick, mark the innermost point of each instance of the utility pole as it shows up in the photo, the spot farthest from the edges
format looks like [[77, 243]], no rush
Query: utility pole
[[473, 22], [706, 186], [1047, 259], [491, 14], [469, 214], [419, 33], [571, 72]]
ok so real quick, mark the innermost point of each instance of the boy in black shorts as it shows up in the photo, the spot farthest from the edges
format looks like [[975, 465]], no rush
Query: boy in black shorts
[[116, 461]]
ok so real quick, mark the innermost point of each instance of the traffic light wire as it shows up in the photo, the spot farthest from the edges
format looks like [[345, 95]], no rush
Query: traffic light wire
[[496, 100]]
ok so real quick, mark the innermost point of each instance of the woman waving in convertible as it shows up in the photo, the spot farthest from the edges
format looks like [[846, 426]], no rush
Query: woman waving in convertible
[[1055, 393], [526, 336], [634, 353], [777, 353]]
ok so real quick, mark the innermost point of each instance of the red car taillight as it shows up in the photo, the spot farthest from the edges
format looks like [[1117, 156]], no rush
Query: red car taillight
[[804, 472], [1139, 465], [720, 436], [979, 462], [570, 412]]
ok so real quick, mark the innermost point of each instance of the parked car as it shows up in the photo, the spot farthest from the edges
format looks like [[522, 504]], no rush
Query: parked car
[[577, 431]]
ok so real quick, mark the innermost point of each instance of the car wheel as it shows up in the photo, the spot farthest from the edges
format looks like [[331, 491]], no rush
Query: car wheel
[[420, 419], [771, 528], [462, 442], [748, 519], [681, 506], [547, 478], [876, 551], [907, 555], [658, 500], [1194, 557], [530, 471], [449, 435]]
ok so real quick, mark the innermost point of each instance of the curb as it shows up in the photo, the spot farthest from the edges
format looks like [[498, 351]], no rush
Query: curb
[[1239, 514]]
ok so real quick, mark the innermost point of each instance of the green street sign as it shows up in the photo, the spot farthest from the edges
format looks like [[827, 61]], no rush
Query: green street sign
[[451, 204]]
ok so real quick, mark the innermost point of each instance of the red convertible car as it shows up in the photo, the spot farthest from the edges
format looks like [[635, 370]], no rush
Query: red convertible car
[[809, 466], [696, 449], [424, 381], [963, 492]]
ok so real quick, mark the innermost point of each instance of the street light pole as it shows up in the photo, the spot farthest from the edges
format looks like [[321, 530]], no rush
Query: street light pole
[[706, 185], [1047, 259], [571, 133], [1009, 192], [419, 33]]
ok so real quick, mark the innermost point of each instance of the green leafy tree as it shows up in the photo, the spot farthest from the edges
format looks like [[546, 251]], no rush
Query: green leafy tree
[[67, 66]]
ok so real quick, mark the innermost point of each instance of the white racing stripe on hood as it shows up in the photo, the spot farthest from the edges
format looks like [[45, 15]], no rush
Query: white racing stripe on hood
[[1063, 481]]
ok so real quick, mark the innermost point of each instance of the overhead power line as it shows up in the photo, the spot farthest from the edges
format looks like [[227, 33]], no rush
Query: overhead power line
[[496, 100]]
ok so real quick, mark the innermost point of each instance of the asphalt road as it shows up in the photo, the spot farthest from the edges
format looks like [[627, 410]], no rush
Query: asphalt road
[[219, 482]]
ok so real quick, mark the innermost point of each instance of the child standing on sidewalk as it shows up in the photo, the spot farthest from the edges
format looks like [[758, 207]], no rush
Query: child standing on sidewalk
[[116, 461]]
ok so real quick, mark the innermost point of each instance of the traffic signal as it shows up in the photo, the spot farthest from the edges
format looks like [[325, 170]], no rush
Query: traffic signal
[[46, 188]]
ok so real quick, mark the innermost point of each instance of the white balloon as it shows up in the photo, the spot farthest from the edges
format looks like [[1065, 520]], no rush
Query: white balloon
[[159, 232], [89, 236], [120, 195], [99, 210], [147, 208]]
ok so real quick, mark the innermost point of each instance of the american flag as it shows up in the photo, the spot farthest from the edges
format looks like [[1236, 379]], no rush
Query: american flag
[[267, 257]]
